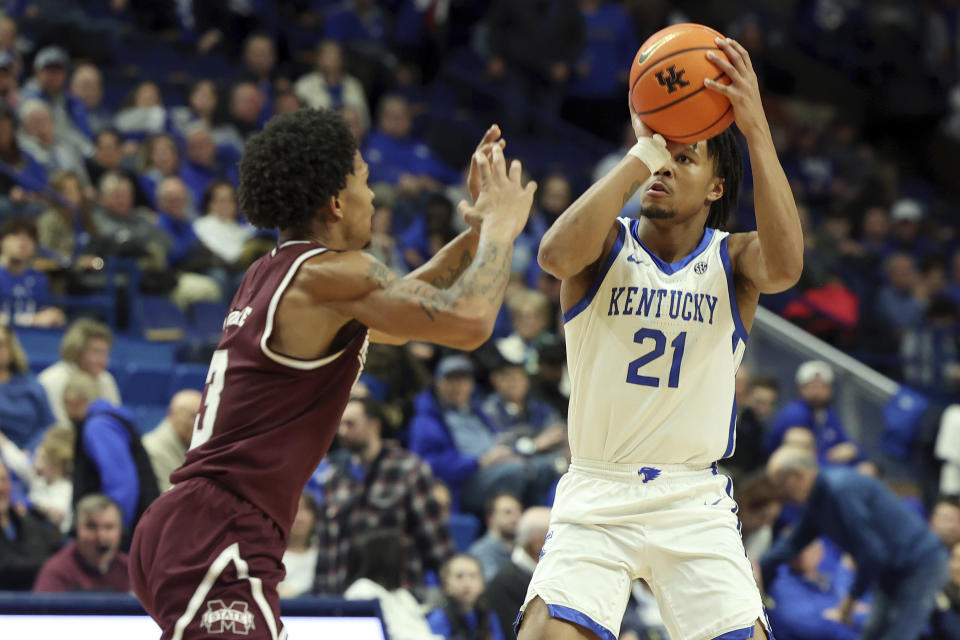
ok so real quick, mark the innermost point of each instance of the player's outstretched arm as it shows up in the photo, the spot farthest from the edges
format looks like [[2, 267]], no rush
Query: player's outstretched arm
[[461, 316], [772, 257], [443, 269], [585, 231]]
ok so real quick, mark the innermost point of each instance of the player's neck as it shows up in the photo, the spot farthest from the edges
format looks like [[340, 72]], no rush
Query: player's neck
[[320, 234], [670, 240]]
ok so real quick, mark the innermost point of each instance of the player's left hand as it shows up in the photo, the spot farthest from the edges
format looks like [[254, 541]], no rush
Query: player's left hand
[[490, 138], [743, 90]]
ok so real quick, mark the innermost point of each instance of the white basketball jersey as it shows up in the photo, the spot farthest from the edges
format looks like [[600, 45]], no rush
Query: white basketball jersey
[[652, 350]]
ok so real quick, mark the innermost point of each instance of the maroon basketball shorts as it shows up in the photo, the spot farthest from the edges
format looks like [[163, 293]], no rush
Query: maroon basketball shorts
[[205, 564]]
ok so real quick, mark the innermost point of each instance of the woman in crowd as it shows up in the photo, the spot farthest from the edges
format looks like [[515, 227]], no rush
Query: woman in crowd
[[300, 558], [24, 411], [466, 615], [85, 347]]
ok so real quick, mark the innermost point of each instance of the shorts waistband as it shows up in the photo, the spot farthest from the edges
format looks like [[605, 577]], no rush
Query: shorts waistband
[[643, 471]]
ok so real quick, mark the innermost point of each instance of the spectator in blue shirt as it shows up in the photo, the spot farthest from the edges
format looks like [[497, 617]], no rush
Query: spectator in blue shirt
[[397, 158], [898, 557], [109, 457], [200, 167], [24, 411], [24, 291], [899, 306], [49, 85], [599, 76], [945, 623], [466, 614], [812, 412], [455, 437], [806, 595]]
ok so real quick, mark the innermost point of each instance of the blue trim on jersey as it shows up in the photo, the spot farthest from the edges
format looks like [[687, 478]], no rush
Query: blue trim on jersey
[[572, 615], [739, 331], [670, 268], [585, 301], [739, 634], [733, 426]]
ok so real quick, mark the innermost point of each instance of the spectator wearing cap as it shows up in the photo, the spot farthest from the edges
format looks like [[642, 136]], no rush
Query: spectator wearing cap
[[522, 420], [372, 483], [9, 91], [907, 235], [93, 562], [38, 137], [69, 112], [452, 433], [897, 556], [809, 420], [330, 87], [24, 291]]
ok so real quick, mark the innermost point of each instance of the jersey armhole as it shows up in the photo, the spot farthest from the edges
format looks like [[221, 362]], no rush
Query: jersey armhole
[[739, 330], [585, 301], [279, 358]]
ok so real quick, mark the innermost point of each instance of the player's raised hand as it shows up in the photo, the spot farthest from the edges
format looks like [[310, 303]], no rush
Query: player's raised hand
[[490, 139], [743, 90], [503, 200]]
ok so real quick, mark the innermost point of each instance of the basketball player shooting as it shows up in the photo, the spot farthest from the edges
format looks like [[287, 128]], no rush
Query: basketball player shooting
[[206, 555], [657, 312]]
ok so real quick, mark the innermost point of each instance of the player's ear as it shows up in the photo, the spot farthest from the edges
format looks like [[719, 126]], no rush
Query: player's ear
[[716, 190], [333, 211]]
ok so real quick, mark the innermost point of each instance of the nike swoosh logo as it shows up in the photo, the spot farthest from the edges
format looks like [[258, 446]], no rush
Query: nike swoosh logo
[[643, 55]]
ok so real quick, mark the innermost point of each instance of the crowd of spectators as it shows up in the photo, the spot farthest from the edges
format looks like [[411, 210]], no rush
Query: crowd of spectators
[[109, 152]]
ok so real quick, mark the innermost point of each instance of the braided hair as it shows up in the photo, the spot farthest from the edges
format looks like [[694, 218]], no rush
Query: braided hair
[[728, 164]]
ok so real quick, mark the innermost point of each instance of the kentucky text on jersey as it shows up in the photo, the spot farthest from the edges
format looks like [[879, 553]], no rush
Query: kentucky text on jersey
[[641, 301]]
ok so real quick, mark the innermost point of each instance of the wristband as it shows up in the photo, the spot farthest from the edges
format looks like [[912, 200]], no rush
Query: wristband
[[651, 152]]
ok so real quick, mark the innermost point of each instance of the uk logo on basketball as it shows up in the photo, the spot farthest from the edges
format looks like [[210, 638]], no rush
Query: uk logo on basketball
[[672, 79], [220, 618]]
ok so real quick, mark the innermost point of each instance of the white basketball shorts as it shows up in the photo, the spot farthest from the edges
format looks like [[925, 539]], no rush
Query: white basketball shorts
[[674, 526]]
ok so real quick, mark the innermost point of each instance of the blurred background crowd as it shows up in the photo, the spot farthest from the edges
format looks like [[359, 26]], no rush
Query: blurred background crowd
[[122, 243]]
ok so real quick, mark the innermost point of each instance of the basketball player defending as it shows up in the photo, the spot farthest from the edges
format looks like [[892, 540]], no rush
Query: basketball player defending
[[657, 311], [206, 556]]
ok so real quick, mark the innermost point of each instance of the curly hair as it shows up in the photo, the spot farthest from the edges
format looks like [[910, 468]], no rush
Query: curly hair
[[294, 166], [724, 149]]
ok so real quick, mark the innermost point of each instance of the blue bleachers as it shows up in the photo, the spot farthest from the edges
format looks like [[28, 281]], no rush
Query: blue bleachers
[[464, 529], [148, 416], [187, 376]]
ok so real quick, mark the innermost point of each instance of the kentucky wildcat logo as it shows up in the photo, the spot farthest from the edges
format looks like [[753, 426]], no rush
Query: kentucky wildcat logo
[[220, 618]]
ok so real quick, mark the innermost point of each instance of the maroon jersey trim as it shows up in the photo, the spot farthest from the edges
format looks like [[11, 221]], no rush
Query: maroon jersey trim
[[279, 358]]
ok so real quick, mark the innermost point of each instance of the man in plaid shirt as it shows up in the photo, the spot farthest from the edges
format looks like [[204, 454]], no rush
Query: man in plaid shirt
[[373, 484]]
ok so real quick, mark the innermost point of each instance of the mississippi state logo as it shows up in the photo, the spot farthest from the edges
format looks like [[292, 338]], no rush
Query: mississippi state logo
[[220, 618], [700, 268]]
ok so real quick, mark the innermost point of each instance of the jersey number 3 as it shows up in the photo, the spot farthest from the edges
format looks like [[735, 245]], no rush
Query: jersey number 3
[[203, 426], [659, 347]]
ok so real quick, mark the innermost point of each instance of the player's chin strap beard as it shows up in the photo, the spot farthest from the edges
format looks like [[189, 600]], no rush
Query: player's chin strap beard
[[657, 213]]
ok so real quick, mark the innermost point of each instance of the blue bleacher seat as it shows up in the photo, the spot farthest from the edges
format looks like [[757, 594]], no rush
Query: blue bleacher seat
[[148, 416], [127, 350], [206, 320], [188, 376], [158, 319], [144, 383], [464, 529], [42, 346]]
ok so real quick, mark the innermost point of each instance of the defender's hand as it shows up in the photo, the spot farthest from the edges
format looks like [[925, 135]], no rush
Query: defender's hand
[[485, 147], [503, 200]]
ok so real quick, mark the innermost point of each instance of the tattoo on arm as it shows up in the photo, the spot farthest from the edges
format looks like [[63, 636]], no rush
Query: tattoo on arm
[[630, 191], [445, 280], [379, 273]]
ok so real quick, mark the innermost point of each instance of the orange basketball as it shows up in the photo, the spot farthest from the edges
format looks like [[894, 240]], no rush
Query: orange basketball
[[666, 84]]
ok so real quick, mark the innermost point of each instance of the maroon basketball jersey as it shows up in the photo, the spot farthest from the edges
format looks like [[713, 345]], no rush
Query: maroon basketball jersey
[[267, 419]]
